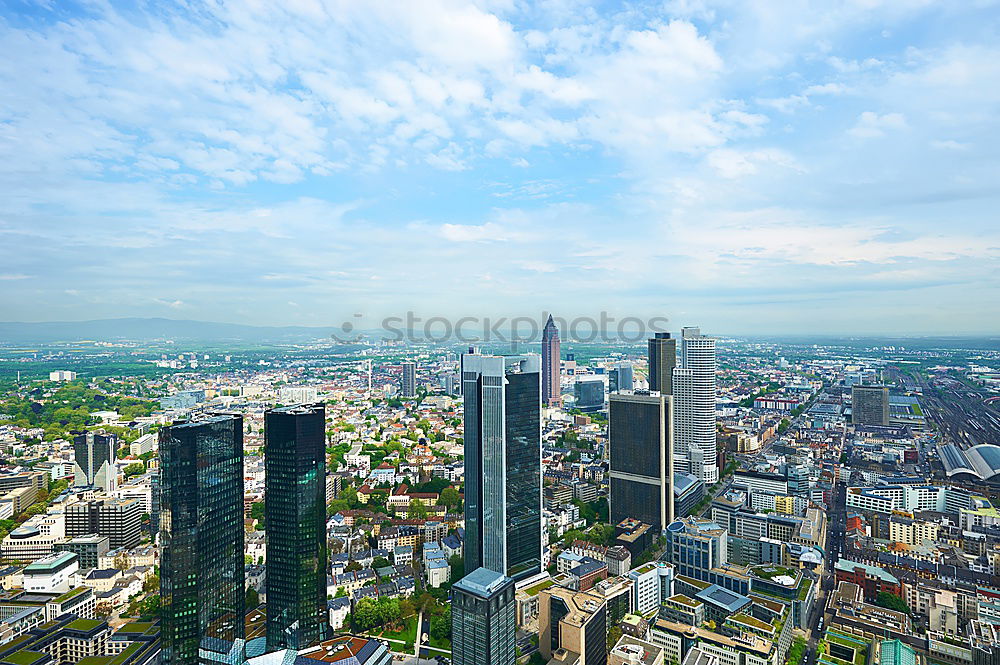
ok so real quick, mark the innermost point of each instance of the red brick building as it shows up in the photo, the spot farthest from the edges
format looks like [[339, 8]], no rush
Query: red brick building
[[872, 579]]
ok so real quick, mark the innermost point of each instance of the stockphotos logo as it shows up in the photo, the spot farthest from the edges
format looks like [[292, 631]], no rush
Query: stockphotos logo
[[484, 329]]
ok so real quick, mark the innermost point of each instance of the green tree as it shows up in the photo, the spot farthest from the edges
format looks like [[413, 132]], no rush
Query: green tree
[[336, 506], [253, 598], [457, 564], [614, 634], [366, 614], [450, 498], [136, 469], [892, 602], [257, 510], [441, 625], [601, 534], [416, 510], [350, 495], [380, 562], [796, 651]]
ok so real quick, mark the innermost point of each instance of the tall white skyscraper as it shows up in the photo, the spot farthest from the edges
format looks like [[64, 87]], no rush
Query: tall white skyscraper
[[694, 407]]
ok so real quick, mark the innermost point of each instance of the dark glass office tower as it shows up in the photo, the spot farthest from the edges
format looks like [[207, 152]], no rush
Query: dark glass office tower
[[620, 378], [503, 486], [662, 360], [295, 522], [94, 460], [408, 380], [640, 437], [201, 521], [483, 619]]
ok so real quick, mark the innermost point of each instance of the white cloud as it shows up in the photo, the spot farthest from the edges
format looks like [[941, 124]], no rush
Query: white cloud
[[173, 142], [873, 125], [735, 164], [826, 89], [948, 144], [472, 233]]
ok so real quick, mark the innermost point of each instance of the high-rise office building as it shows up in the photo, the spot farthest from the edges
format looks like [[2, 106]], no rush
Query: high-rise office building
[[503, 480], [620, 378], [695, 447], [696, 546], [94, 460], [640, 432], [588, 391], [408, 380], [550, 364], [295, 523], [202, 585], [119, 520], [154, 500], [483, 619], [662, 360], [870, 405], [461, 366]]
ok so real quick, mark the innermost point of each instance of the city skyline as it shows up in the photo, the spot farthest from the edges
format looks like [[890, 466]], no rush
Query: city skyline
[[822, 168], [487, 528]]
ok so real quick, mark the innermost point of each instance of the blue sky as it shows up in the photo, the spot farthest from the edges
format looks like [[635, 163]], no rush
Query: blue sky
[[749, 167]]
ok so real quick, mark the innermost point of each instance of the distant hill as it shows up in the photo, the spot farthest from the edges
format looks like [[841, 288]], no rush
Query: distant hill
[[147, 329]]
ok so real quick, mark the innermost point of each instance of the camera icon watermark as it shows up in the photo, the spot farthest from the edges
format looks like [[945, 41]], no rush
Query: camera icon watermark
[[513, 330]]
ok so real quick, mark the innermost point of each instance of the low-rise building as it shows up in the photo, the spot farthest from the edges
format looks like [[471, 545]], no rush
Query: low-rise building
[[51, 574], [632, 651], [438, 572]]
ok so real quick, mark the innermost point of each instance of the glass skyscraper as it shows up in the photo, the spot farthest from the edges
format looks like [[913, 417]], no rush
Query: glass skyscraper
[[295, 522], [503, 472], [408, 380], [202, 587], [589, 393], [94, 460], [620, 378], [483, 621], [640, 435], [662, 360]]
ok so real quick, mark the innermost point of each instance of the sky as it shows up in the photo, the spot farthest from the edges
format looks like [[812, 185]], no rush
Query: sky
[[750, 167]]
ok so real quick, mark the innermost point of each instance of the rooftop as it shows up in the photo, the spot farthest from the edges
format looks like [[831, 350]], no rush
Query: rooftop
[[636, 651], [482, 582], [871, 571], [720, 597], [50, 563], [582, 604], [343, 648]]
